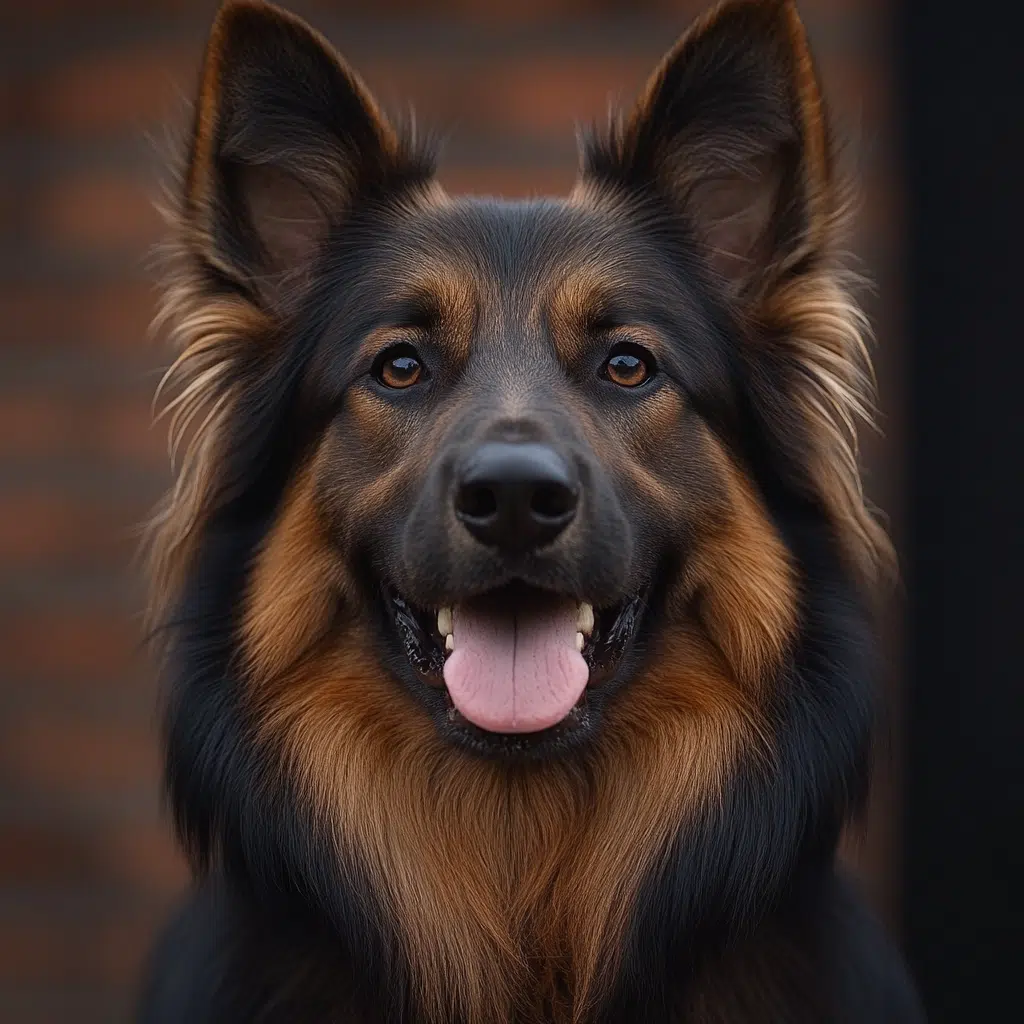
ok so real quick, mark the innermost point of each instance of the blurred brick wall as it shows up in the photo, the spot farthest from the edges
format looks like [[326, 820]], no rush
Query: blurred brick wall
[[87, 868]]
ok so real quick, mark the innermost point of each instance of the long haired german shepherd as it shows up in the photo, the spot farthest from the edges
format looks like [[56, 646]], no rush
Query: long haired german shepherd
[[517, 581]]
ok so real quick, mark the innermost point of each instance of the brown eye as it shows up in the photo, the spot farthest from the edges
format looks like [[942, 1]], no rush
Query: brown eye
[[629, 366], [398, 367]]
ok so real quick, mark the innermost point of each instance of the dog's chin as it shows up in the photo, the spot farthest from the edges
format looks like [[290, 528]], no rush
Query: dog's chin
[[516, 672]]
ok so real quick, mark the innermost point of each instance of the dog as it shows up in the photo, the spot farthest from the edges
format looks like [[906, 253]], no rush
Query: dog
[[516, 593]]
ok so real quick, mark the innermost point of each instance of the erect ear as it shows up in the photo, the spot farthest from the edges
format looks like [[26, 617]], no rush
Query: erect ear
[[731, 129], [286, 139]]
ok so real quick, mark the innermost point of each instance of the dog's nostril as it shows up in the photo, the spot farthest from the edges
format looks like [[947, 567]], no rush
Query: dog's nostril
[[516, 496], [552, 501], [477, 501]]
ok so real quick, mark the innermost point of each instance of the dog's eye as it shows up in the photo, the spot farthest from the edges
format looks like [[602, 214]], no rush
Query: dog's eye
[[398, 367], [629, 366]]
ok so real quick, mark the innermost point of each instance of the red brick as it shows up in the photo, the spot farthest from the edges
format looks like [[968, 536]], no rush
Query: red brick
[[546, 95], [59, 756], [125, 694], [115, 211], [108, 94], [45, 1005], [125, 95], [542, 96], [111, 92], [11, 91], [513, 183], [82, 643], [40, 530], [10, 203], [530, 11], [139, 856], [858, 95], [479, 12], [98, 950], [106, 91], [114, 429], [808, 8], [504, 13], [112, 316], [49, 13]]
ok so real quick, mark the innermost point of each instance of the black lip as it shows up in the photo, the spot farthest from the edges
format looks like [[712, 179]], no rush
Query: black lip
[[614, 633], [419, 636]]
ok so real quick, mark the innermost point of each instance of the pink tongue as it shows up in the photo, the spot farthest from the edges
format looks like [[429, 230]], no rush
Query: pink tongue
[[515, 671]]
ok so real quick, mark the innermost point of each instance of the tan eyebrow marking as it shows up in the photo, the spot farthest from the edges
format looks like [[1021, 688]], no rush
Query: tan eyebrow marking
[[576, 299], [454, 297], [581, 298]]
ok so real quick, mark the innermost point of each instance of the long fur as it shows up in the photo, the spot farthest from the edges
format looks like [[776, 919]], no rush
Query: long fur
[[357, 865]]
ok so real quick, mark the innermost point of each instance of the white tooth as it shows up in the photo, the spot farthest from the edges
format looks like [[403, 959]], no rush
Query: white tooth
[[444, 621], [585, 618], [579, 641], [449, 643]]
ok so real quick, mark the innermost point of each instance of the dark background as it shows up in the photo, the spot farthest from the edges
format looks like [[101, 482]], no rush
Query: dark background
[[961, 87], [928, 93]]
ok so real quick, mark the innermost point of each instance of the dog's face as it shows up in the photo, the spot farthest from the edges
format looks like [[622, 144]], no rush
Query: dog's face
[[501, 526], [518, 420], [517, 468]]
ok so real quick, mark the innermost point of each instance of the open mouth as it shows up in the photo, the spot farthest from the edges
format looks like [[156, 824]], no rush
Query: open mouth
[[518, 661]]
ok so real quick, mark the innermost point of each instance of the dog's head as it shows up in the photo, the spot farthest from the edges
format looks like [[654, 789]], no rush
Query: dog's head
[[517, 479]]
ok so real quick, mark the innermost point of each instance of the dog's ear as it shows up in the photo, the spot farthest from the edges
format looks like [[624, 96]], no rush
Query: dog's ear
[[286, 139], [732, 131]]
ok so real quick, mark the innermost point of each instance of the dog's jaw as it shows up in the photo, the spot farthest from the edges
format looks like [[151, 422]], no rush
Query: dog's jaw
[[577, 647]]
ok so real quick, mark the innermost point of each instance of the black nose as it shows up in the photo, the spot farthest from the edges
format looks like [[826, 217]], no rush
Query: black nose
[[516, 496]]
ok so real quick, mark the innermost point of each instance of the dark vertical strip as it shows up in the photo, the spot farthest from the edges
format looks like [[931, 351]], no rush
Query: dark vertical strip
[[963, 108]]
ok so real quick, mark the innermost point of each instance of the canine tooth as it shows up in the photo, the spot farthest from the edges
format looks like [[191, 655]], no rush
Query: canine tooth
[[449, 643], [585, 618], [444, 621], [579, 641]]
